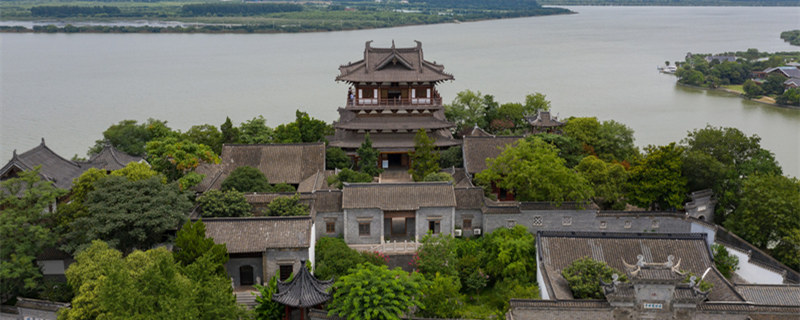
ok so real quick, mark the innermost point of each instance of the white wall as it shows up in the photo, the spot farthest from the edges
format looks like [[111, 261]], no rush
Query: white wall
[[754, 273]]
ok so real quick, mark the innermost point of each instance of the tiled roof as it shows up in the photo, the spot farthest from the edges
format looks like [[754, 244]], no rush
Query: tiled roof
[[248, 235], [558, 250], [393, 65], [784, 295], [543, 119], [110, 159], [54, 167], [477, 149], [727, 238], [469, 198], [328, 201], [394, 123], [287, 163], [790, 72], [500, 207], [317, 181], [398, 196]]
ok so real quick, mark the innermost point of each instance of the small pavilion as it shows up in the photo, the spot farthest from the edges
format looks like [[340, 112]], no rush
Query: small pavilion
[[302, 292]]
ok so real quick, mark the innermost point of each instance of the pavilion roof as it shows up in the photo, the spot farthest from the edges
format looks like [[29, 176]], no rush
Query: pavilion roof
[[479, 148], [394, 123], [304, 291], [393, 65], [111, 158]]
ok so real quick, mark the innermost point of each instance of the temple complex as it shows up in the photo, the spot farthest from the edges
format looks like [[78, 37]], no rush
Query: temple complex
[[392, 94]]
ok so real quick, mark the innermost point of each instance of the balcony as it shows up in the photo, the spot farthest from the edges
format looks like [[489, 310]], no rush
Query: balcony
[[373, 102]]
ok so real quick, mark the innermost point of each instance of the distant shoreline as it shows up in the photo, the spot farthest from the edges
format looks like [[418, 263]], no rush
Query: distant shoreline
[[726, 90]]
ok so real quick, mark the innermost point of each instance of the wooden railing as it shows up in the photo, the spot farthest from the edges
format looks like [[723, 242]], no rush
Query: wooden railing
[[395, 102]]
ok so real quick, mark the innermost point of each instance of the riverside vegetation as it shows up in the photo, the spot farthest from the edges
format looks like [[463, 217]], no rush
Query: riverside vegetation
[[268, 17]]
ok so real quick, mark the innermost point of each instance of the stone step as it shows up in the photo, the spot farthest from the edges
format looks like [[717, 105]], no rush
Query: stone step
[[394, 176], [246, 298]]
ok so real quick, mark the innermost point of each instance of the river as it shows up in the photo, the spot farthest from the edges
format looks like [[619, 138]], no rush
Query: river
[[601, 62]]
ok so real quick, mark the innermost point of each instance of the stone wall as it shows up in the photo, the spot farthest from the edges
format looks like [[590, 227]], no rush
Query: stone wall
[[589, 220], [321, 220], [352, 218], [233, 264], [477, 220], [279, 257], [443, 215]]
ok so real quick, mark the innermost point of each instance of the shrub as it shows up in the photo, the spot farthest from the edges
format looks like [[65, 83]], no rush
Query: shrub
[[584, 275], [287, 206], [438, 176], [231, 203], [246, 179]]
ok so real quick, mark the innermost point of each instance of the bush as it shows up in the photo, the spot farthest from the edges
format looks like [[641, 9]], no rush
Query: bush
[[438, 176], [335, 158], [348, 175], [725, 262], [452, 157], [376, 292], [287, 206], [584, 275], [231, 203], [246, 179], [437, 255]]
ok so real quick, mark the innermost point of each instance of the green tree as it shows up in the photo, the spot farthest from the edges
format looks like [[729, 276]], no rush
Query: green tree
[[608, 181], [230, 203], [85, 275], [790, 97], [76, 207], [372, 292], [131, 214], [513, 255], [287, 206], [128, 136], [303, 129], [468, 109], [425, 159], [725, 262], [191, 244], [734, 156], [136, 171], [266, 308], [336, 158], [752, 90], [334, 258], [452, 157], [437, 256], [584, 276], [656, 181], [533, 171], [229, 133], [205, 134], [246, 179], [255, 131], [584, 130], [536, 102], [24, 231], [690, 77], [438, 176], [441, 298], [569, 149], [348, 175], [773, 84], [176, 158], [778, 198], [368, 158], [615, 142], [282, 187]]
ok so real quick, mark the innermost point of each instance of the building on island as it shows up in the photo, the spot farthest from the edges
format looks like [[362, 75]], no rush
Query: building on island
[[392, 95]]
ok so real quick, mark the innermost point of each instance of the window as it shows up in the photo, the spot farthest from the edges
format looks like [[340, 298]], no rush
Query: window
[[435, 226], [537, 220], [627, 224], [511, 223], [330, 226], [246, 275], [566, 221], [653, 306], [655, 224], [363, 229], [603, 224], [467, 224], [285, 271]]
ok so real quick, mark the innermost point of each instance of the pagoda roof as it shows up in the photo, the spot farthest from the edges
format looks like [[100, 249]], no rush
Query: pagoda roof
[[479, 148], [543, 119], [394, 123], [393, 65], [54, 168], [111, 158], [304, 291]]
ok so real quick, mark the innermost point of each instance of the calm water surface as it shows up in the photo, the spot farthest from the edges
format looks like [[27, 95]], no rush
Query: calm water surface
[[601, 62]]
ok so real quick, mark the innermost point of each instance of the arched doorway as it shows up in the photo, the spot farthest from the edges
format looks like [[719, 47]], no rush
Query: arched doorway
[[246, 275]]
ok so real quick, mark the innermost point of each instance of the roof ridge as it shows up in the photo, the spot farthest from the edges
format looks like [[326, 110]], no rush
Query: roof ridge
[[274, 144], [207, 219], [622, 235], [388, 184], [43, 145]]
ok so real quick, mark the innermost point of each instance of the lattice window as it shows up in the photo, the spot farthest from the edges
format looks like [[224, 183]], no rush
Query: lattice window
[[603, 225], [566, 221], [330, 227], [511, 223], [363, 229], [627, 224], [537, 220]]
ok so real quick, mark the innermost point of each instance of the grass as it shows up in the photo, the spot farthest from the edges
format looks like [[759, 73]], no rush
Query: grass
[[735, 87]]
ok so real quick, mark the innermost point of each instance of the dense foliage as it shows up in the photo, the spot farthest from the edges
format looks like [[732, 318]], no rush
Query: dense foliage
[[608, 180], [656, 181], [368, 158], [246, 179], [23, 232], [334, 259], [471, 109], [71, 11], [452, 157], [584, 276], [236, 9], [792, 37], [533, 171], [191, 244], [778, 198], [131, 214], [266, 308], [425, 158], [725, 262], [287, 206], [336, 158], [231, 203], [375, 292], [147, 284], [436, 255]]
